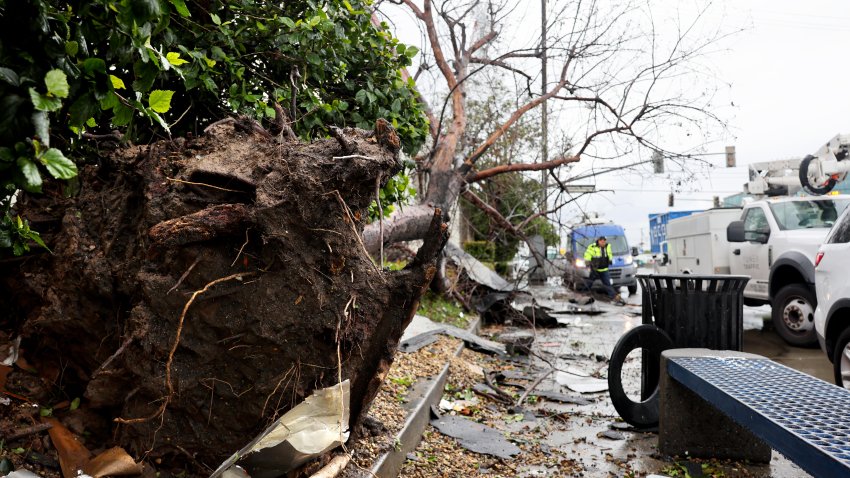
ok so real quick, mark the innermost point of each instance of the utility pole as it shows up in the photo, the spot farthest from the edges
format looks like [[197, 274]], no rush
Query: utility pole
[[544, 154]]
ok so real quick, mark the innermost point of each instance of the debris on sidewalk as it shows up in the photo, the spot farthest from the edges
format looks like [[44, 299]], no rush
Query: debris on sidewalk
[[474, 436], [580, 382], [421, 330]]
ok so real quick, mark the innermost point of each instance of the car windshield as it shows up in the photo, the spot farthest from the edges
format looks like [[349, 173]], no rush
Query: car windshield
[[619, 245], [808, 214]]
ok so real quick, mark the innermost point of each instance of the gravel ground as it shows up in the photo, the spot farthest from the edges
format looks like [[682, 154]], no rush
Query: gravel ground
[[388, 409], [439, 455]]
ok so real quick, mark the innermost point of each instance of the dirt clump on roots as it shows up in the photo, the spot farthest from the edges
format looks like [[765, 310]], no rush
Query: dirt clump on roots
[[199, 288]]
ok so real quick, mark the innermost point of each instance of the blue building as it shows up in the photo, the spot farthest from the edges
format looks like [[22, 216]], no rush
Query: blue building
[[658, 228]]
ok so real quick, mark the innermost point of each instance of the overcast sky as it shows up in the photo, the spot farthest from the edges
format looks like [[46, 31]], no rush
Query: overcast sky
[[782, 89], [790, 93]]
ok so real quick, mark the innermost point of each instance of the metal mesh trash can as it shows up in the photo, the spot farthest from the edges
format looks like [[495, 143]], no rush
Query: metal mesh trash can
[[695, 312], [679, 311]]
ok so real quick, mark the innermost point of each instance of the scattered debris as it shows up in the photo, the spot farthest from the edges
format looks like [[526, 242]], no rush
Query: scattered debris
[[474, 436], [517, 342], [611, 435], [311, 428], [561, 398], [424, 329], [477, 271], [581, 383]]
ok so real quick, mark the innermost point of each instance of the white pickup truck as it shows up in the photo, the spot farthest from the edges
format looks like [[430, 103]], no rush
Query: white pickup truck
[[775, 243]]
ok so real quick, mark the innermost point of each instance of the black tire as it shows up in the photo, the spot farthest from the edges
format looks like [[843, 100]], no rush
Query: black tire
[[648, 337], [632, 289], [840, 353], [804, 179], [792, 312]]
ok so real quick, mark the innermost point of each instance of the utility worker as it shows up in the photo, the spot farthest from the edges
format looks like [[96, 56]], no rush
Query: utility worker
[[598, 258]]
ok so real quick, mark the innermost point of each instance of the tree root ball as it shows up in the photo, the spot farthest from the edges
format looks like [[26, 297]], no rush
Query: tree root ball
[[198, 289]]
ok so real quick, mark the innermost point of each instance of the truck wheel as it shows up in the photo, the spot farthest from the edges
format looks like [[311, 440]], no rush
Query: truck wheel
[[793, 314], [841, 360], [805, 180], [632, 289]]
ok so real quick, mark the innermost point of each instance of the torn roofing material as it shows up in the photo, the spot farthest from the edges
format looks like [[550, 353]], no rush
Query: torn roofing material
[[478, 271], [474, 436], [314, 426], [421, 329]]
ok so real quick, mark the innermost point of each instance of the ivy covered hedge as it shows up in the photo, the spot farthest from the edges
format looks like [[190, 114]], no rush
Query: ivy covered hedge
[[145, 69]]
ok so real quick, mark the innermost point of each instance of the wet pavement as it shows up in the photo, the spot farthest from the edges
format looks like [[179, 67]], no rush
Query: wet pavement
[[585, 344]]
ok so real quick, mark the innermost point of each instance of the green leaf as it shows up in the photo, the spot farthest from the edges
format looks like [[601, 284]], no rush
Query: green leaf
[[180, 6], [117, 83], [215, 18], [9, 76], [71, 48], [210, 63], [6, 155], [31, 176], [91, 123], [94, 65], [75, 403], [361, 96], [411, 51], [45, 412], [288, 22], [396, 106], [160, 100], [57, 83], [44, 102], [174, 59], [122, 115], [314, 59], [58, 165], [109, 101]]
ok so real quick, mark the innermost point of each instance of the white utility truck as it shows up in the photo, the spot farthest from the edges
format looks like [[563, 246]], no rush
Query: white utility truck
[[774, 240], [697, 244]]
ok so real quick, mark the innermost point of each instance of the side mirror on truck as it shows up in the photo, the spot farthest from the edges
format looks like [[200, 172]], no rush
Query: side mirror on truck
[[735, 231], [635, 252]]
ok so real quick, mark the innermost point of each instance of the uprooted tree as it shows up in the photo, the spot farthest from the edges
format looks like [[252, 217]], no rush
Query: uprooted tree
[[195, 287], [621, 82]]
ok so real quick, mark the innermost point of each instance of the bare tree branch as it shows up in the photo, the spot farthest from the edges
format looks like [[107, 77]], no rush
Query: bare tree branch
[[507, 168]]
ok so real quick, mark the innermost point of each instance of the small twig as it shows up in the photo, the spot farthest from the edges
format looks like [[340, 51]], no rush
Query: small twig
[[205, 185], [241, 248], [27, 431], [118, 352], [227, 120], [334, 467], [496, 388], [185, 274], [355, 156], [344, 143], [115, 135], [533, 386], [170, 360]]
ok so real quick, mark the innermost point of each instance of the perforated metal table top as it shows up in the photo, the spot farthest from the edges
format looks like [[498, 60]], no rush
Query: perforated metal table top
[[802, 417]]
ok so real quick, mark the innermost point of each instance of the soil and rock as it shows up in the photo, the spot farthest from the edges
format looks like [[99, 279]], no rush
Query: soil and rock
[[199, 288]]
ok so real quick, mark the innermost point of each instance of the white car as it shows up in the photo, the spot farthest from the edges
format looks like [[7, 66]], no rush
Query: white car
[[832, 282]]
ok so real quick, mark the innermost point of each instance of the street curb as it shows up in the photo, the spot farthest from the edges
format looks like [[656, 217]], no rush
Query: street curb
[[429, 392]]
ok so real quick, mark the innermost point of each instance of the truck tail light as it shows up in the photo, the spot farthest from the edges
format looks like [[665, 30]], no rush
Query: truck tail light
[[818, 258]]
